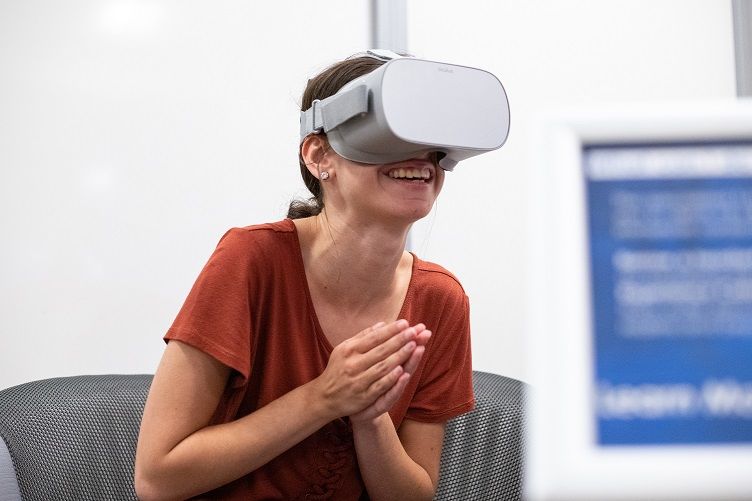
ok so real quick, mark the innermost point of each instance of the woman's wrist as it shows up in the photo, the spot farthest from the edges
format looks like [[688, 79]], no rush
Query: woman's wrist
[[318, 401], [370, 422]]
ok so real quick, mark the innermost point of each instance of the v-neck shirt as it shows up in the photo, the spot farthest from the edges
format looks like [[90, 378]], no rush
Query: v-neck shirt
[[326, 342], [250, 308]]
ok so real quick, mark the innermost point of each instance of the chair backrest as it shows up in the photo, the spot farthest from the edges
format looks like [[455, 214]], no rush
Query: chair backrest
[[75, 438], [483, 453]]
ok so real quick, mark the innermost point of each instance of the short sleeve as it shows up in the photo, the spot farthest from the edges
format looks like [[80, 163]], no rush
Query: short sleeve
[[446, 382], [216, 315]]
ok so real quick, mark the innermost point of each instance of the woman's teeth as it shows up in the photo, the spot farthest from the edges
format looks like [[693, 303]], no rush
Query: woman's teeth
[[401, 173]]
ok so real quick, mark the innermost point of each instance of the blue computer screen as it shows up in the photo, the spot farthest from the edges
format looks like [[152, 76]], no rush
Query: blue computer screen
[[670, 253]]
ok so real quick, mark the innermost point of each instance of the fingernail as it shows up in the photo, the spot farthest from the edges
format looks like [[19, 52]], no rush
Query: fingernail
[[410, 346]]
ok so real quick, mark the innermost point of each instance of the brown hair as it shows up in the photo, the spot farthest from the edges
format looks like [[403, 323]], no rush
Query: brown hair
[[323, 85]]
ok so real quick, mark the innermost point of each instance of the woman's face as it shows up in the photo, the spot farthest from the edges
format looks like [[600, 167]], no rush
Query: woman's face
[[401, 191]]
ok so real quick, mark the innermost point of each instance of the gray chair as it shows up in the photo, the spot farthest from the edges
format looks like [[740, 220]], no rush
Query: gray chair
[[482, 457], [74, 438]]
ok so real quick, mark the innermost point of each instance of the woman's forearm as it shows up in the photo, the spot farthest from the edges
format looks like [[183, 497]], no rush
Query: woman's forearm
[[175, 462], [387, 470], [216, 455]]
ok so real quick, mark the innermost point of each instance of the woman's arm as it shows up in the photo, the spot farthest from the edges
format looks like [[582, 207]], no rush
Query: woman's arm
[[179, 456], [394, 465], [401, 466]]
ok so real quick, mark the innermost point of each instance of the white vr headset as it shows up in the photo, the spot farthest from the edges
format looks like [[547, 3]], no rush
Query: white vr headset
[[411, 106]]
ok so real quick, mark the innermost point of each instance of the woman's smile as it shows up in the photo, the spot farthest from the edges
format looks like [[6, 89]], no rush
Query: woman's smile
[[415, 172]]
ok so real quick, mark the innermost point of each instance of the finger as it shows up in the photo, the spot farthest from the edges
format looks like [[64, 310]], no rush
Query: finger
[[412, 363], [378, 335], [390, 346], [384, 384], [423, 337], [388, 399], [368, 330], [381, 368]]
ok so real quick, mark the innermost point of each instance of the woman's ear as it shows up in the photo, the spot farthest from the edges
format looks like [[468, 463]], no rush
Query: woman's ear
[[313, 150]]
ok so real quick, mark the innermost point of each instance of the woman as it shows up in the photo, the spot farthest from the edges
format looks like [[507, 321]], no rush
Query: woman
[[314, 357]]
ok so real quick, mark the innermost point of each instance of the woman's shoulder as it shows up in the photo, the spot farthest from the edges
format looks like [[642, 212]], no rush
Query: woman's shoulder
[[256, 234], [257, 244], [428, 275], [261, 230]]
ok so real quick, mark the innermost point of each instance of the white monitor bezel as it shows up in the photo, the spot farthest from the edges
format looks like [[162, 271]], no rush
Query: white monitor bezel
[[563, 461]]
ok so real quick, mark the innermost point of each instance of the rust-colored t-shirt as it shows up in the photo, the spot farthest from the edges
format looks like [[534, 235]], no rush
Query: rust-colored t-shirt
[[250, 308]]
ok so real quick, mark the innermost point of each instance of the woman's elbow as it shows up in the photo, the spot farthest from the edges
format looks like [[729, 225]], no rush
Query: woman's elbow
[[145, 490], [148, 487]]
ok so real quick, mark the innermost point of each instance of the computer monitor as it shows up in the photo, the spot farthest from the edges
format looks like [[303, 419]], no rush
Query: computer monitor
[[640, 339]]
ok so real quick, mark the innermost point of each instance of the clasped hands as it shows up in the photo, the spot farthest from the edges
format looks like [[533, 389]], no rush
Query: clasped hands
[[366, 374]]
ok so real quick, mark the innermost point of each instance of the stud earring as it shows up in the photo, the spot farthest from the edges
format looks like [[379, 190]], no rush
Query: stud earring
[[324, 176]]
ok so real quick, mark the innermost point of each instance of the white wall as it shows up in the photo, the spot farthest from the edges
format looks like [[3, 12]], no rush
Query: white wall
[[133, 134], [549, 53]]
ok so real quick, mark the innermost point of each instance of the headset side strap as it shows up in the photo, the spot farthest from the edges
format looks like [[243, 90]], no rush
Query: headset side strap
[[327, 114]]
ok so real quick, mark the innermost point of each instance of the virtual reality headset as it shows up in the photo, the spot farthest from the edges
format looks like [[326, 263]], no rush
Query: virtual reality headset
[[410, 106]]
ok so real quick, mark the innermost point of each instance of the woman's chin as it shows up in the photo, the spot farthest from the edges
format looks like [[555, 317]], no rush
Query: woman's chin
[[412, 214]]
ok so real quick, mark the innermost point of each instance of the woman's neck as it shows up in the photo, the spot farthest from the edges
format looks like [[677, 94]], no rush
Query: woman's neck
[[352, 263]]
